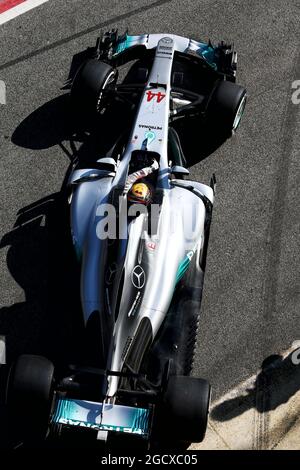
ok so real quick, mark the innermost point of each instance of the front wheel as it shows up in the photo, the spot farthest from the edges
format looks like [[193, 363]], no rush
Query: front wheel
[[226, 107], [29, 396], [89, 85]]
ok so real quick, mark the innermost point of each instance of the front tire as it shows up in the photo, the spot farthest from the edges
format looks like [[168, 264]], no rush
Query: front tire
[[29, 396], [226, 107], [89, 83]]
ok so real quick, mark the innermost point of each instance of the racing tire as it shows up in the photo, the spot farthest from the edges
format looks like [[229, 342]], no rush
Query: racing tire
[[185, 408], [226, 107], [29, 396], [88, 85]]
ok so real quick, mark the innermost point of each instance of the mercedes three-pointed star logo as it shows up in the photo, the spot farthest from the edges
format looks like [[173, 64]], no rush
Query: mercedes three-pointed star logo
[[138, 277]]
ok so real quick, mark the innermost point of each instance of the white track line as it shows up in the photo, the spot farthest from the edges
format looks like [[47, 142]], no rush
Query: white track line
[[19, 10]]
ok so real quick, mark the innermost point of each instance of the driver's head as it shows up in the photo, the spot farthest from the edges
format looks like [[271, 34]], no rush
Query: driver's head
[[140, 193]]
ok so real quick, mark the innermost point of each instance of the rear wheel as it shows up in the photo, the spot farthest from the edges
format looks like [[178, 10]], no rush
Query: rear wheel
[[184, 412], [226, 107], [29, 396], [92, 78]]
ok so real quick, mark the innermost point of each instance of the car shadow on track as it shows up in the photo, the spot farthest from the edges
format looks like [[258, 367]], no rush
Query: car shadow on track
[[82, 140], [40, 261], [277, 382], [47, 322], [40, 256], [198, 140]]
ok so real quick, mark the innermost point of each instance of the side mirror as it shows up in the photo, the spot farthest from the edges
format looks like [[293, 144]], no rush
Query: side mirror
[[106, 163], [179, 170], [88, 174]]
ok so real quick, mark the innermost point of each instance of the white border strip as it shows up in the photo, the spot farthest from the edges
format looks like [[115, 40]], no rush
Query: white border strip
[[19, 10]]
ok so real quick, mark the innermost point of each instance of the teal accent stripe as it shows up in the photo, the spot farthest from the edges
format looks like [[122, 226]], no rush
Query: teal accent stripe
[[124, 44], [141, 420], [183, 267], [58, 410]]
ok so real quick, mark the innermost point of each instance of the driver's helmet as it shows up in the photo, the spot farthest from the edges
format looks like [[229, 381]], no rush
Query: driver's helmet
[[140, 193]]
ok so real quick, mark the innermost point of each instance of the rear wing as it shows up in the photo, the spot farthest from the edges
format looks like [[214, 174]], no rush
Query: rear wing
[[102, 417]]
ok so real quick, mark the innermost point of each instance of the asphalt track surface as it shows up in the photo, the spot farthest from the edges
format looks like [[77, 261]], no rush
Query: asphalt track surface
[[250, 307]]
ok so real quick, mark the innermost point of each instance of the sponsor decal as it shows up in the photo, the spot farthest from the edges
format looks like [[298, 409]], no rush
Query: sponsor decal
[[99, 427], [159, 96], [135, 305], [151, 246], [183, 267], [150, 136], [156, 128], [121, 429], [138, 277], [190, 254], [166, 40], [165, 48]]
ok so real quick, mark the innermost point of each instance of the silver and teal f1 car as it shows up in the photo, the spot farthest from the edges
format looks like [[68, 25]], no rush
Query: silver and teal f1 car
[[142, 264]]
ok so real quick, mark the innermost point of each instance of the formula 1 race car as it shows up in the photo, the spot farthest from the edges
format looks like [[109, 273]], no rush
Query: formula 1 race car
[[140, 231]]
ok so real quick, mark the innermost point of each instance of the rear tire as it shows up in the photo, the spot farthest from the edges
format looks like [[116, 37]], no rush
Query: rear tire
[[226, 106], [89, 82], [29, 396], [185, 409]]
